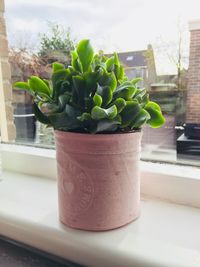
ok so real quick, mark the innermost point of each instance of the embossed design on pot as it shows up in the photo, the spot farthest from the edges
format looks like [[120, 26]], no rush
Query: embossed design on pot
[[75, 182]]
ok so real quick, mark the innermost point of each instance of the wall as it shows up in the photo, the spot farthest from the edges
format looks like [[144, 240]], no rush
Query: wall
[[193, 90], [8, 131]]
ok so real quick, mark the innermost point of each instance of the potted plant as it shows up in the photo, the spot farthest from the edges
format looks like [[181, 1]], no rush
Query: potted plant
[[97, 115]]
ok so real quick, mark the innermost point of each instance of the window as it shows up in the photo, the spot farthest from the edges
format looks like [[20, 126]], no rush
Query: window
[[171, 81], [129, 58]]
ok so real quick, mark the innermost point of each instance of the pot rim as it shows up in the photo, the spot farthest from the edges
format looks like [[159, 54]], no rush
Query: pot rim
[[139, 131]]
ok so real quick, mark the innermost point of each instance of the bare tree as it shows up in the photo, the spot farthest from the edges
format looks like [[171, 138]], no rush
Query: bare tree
[[177, 53]]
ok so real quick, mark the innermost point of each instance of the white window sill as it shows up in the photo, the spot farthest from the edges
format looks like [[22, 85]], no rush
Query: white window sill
[[165, 235]]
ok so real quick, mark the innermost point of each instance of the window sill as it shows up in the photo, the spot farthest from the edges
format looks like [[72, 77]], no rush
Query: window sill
[[165, 235]]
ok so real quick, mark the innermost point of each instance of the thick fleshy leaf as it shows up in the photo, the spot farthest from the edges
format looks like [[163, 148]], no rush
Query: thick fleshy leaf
[[129, 112], [59, 77], [120, 103], [47, 83], [140, 119], [62, 101], [108, 79], [126, 90], [79, 85], [157, 119], [59, 80], [142, 97], [39, 115], [136, 80], [75, 62], [72, 111], [110, 64], [118, 68], [90, 79], [85, 53], [49, 108], [85, 117], [119, 72], [106, 93], [116, 60], [98, 113], [57, 66], [22, 86], [97, 99], [38, 85], [66, 120], [63, 121], [106, 125], [152, 105]]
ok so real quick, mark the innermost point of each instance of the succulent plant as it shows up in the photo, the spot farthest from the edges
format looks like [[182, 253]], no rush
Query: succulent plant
[[93, 95]]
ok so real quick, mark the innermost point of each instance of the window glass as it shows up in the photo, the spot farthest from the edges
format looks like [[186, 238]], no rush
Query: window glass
[[153, 41]]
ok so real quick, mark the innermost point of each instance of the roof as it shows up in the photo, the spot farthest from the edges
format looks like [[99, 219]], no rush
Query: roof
[[132, 58]]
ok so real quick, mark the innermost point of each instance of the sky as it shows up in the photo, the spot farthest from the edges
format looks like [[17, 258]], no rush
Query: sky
[[111, 25]]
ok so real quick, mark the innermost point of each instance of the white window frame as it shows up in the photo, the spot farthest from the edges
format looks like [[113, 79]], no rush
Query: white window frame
[[168, 182]]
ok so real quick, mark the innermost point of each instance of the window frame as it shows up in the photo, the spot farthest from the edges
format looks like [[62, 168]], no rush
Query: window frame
[[165, 181]]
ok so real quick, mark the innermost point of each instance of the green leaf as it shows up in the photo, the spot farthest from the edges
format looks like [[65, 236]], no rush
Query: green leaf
[[84, 117], [75, 62], [110, 64], [85, 53], [108, 79], [106, 125], [126, 90], [22, 86], [47, 82], [49, 108], [136, 80], [152, 105], [116, 60], [62, 101], [72, 111], [90, 82], [98, 113], [142, 96], [97, 100], [157, 119], [57, 66], [59, 81], [129, 112], [39, 115], [140, 119], [119, 72], [66, 120], [106, 93], [120, 103], [79, 85], [38, 85]]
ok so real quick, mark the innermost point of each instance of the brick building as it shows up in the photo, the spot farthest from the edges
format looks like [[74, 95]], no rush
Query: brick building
[[193, 90]]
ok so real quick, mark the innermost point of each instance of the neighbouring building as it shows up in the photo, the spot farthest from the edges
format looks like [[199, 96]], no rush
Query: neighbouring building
[[189, 142], [193, 89]]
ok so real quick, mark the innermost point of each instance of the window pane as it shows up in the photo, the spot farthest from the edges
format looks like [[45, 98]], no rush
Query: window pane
[[150, 44]]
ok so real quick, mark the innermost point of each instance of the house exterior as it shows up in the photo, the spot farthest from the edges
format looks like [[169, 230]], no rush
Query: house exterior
[[140, 64], [193, 88]]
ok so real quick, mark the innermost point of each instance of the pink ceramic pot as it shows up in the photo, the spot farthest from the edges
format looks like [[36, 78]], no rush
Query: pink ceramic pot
[[98, 179]]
